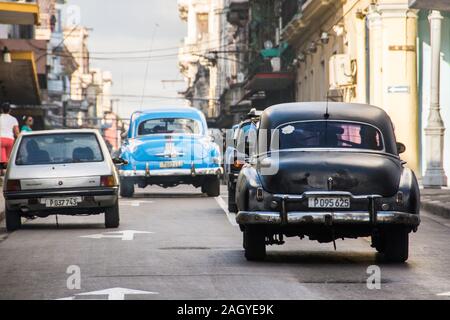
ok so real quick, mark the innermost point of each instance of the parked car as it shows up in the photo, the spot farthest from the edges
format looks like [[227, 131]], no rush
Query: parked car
[[337, 175], [238, 152], [168, 147], [64, 172]]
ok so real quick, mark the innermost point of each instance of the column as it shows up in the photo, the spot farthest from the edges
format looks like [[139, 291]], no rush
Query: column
[[434, 132]]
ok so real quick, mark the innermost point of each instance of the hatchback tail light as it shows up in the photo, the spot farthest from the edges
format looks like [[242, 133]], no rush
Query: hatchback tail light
[[108, 181], [13, 185]]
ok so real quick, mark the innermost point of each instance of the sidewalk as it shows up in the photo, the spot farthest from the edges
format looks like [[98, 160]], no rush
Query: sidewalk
[[436, 201]]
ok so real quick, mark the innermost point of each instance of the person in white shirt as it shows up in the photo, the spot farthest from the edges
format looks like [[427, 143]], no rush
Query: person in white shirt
[[9, 130]]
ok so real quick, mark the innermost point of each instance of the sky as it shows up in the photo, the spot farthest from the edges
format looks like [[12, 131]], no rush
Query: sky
[[119, 27]]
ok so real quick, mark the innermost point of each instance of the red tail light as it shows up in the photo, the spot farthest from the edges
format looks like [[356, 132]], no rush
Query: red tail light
[[13, 185], [108, 181]]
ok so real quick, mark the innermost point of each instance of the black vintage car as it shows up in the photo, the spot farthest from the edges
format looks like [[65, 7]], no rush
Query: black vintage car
[[327, 171]]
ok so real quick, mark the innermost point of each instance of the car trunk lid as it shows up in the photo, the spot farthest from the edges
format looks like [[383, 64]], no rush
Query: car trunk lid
[[357, 172]]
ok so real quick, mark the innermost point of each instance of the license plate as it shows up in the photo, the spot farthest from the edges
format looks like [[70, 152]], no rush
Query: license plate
[[171, 164], [329, 202], [61, 202]]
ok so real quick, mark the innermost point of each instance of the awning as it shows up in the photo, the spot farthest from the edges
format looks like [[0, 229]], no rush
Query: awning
[[19, 13], [272, 81], [18, 80]]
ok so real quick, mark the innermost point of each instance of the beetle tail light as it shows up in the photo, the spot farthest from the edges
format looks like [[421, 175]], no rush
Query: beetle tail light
[[108, 181], [13, 185], [238, 164]]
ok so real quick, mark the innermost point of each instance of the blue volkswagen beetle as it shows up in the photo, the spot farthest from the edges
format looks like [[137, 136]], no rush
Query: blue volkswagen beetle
[[168, 147]]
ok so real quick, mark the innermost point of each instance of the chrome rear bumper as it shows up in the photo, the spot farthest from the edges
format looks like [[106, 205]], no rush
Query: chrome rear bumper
[[325, 218], [171, 172]]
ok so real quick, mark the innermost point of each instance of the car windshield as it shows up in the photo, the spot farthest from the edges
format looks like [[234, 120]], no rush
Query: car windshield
[[169, 126], [59, 149], [330, 134]]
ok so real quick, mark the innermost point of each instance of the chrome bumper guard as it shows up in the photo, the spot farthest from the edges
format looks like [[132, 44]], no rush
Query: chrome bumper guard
[[370, 217]]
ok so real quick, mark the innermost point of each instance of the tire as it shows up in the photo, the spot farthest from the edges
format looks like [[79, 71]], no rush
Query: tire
[[126, 188], [396, 245], [232, 206], [212, 187], [254, 243], [13, 220], [112, 217]]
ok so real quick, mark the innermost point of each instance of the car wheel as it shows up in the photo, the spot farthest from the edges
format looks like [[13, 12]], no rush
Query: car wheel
[[232, 206], [126, 189], [396, 245], [112, 217], [212, 187], [13, 220], [254, 243]]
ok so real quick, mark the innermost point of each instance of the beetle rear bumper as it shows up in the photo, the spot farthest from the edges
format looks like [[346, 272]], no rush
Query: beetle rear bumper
[[327, 218]]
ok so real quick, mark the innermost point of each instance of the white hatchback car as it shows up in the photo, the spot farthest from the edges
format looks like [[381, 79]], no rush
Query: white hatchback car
[[63, 172]]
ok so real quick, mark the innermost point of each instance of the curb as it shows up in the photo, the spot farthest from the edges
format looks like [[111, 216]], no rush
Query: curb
[[437, 208]]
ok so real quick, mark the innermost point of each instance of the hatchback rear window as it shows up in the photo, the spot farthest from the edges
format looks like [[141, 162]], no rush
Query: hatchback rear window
[[59, 149], [330, 134]]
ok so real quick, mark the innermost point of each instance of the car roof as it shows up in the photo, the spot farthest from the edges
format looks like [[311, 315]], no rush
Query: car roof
[[59, 131], [281, 114]]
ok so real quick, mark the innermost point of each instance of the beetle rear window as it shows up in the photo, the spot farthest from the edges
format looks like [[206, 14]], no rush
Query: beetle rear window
[[330, 134], [59, 149]]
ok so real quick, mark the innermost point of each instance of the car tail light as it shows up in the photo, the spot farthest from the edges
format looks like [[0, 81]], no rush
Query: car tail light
[[13, 185], [108, 181]]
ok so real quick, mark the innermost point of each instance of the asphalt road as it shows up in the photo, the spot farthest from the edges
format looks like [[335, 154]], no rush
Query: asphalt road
[[189, 249]]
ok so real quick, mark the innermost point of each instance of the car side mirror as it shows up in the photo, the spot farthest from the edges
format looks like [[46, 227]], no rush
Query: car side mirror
[[401, 148], [119, 161]]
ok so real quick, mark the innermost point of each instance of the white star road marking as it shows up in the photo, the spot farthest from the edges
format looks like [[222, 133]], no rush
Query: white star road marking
[[112, 294], [126, 235]]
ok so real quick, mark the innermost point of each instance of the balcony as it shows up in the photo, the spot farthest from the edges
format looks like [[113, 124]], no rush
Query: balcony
[[305, 15], [430, 4], [238, 12], [19, 13], [271, 71]]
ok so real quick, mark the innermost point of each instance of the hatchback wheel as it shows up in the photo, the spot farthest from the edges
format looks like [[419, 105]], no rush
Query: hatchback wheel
[[396, 245], [13, 220], [211, 187], [254, 243], [112, 217], [126, 189]]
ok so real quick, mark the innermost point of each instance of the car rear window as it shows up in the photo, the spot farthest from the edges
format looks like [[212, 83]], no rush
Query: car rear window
[[59, 149], [330, 134], [169, 126]]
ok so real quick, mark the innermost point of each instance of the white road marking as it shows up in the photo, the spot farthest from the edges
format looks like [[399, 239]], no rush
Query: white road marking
[[444, 294], [112, 294], [136, 203], [231, 217], [126, 235]]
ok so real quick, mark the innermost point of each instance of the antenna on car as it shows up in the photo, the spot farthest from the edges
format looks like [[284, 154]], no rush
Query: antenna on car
[[327, 114]]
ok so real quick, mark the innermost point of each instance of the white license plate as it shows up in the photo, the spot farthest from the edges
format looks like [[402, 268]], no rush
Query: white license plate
[[329, 202], [171, 164], [61, 202]]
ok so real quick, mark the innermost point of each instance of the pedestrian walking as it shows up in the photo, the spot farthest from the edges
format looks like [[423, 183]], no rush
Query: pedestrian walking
[[28, 124], [9, 130]]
